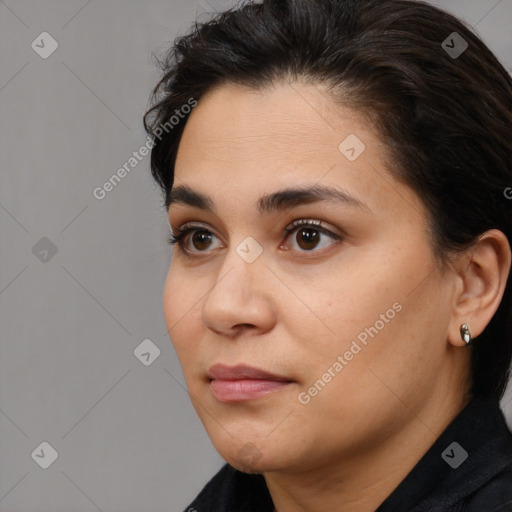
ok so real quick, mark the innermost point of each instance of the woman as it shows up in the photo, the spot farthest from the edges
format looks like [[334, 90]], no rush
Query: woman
[[337, 176]]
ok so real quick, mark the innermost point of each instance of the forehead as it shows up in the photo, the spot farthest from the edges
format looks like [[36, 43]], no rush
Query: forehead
[[245, 142], [277, 128], [291, 119]]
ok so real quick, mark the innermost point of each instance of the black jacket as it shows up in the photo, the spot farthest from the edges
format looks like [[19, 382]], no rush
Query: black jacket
[[473, 475]]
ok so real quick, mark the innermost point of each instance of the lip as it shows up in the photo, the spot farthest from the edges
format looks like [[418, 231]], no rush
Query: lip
[[242, 382], [240, 372]]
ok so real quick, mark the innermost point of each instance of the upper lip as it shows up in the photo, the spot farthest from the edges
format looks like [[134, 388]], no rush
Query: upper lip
[[240, 372]]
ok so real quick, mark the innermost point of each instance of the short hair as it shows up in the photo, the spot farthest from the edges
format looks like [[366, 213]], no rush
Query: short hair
[[443, 110]]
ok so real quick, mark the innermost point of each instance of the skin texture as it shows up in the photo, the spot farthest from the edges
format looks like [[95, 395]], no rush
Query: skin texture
[[297, 307]]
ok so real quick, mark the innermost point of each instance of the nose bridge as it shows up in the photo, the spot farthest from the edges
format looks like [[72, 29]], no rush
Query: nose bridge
[[243, 263], [234, 299], [250, 251]]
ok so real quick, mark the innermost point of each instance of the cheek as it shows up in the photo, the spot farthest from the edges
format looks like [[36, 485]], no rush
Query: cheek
[[391, 342], [182, 314], [370, 311], [346, 300], [173, 288]]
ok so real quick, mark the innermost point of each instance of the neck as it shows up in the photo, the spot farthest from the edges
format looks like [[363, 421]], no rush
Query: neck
[[363, 481]]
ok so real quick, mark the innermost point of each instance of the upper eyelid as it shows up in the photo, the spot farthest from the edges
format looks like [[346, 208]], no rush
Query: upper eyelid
[[194, 225]]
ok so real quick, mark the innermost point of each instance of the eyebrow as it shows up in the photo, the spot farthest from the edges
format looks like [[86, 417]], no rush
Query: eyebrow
[[270, 203]]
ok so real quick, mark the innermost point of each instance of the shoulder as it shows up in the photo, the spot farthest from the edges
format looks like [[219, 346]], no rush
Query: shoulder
[[217, 489], [495, 496]]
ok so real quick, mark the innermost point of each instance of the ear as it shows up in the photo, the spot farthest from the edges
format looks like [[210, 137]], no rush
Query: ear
[[482, 273]]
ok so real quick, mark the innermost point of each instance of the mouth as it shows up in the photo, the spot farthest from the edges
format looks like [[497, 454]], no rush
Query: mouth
[[242, 382]]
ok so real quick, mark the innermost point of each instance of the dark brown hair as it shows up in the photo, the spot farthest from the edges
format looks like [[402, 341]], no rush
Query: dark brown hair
[[446, 118]]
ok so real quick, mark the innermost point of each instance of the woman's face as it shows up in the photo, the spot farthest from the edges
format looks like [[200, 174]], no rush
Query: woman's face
[[352, 314]]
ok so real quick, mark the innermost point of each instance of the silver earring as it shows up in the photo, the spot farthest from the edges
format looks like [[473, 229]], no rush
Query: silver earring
[[465, 334]]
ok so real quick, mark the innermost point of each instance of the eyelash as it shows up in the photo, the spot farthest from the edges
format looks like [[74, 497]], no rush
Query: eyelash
[[182, 233]]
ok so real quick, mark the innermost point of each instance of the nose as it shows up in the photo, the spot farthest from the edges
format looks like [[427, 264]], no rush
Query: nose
[[240, 298]]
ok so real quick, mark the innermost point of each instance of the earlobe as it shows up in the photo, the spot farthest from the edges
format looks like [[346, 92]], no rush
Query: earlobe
[[483, 271]]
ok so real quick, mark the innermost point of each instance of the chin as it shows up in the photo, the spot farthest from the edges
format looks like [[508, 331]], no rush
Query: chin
[[252, 457], [250, 460]]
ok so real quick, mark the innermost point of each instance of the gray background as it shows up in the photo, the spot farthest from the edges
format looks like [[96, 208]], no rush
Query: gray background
[[126, 434]]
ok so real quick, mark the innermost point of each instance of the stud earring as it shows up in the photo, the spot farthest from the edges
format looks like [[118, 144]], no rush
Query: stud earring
[[465, 334]]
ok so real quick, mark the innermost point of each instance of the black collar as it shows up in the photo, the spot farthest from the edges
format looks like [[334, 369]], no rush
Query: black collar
[[437, 482]]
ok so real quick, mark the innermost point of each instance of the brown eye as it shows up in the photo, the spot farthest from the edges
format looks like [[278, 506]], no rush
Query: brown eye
[[308, 238], [309, 235], [195, 240], [192, 239], [201, 239]]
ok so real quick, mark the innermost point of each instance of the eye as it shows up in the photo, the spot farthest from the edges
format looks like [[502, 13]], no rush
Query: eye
[[309, 235], [201, 238]]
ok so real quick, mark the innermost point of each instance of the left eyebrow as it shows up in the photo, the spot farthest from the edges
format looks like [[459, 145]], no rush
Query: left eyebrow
[[273, 202]]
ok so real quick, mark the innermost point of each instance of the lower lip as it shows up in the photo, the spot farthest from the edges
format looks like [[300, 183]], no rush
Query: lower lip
[[246, 389]]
